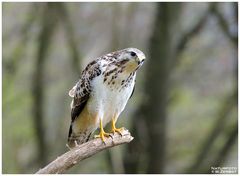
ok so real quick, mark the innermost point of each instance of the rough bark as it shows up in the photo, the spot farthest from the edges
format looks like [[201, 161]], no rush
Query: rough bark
[[81, 152]]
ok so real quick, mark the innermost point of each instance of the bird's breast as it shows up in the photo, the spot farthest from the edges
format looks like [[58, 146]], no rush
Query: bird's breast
[[109, 99]]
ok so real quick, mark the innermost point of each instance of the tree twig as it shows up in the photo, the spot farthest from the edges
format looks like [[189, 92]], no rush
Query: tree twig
[[81, 152]]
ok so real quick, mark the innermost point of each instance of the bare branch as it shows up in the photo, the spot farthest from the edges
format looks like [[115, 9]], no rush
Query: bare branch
[[81, 152]]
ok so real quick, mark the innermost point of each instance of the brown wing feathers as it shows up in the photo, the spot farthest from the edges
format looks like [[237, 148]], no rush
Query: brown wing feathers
[[81, 91], [75, 113]]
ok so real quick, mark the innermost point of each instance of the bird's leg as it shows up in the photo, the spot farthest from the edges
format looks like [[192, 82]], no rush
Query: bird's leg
[[102, 133], [114, 129]]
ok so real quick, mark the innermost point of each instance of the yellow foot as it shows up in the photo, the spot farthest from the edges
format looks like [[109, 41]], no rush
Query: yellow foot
[[102, 135], [118, 130]]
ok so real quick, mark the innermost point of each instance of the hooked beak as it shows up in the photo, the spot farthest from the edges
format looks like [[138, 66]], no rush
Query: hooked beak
[[141, 59], [140, 62]]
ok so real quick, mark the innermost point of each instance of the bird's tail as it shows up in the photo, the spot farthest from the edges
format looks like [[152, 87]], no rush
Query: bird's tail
[[77, 139]]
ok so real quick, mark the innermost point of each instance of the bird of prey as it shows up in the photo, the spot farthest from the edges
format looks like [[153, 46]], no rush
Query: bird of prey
[[101, 94]]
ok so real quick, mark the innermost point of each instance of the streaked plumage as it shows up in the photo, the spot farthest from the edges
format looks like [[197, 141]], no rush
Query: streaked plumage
[[102, 92]]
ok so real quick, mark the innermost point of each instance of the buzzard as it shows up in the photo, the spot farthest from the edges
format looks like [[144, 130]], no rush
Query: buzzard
[[101, 94]]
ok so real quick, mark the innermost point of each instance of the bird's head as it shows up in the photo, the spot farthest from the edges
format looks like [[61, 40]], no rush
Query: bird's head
[[130, 58]]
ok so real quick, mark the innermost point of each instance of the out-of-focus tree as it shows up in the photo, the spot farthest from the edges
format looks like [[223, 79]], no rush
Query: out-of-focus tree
[[45, 35], [51, 15], [149, 122], [162, 54], [226, 106], [152, 112]]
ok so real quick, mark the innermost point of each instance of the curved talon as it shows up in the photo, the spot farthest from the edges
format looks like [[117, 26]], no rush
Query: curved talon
[[102, 135], [118, 130], [114, 129], [110, 135]]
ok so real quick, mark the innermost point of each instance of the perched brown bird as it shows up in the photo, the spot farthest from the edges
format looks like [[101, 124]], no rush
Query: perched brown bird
[[102, 92]]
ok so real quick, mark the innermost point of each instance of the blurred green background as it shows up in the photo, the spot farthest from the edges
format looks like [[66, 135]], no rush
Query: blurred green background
[[183, 113]]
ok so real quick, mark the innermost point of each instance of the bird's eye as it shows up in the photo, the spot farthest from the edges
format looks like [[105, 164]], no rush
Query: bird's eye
[[133, 54]]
